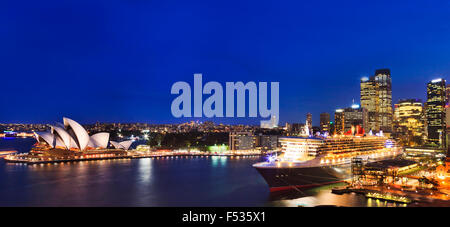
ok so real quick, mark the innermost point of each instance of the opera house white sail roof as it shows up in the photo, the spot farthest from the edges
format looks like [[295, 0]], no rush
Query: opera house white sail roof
[[122, 145], [71, 135]]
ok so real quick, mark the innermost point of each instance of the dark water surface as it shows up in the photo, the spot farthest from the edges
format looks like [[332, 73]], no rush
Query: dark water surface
[[189, 181]]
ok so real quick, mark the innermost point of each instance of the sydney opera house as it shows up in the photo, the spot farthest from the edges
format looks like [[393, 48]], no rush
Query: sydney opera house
[[71, 140]]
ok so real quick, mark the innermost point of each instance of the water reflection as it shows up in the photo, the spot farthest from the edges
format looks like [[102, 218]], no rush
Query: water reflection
[[189, 181], [145, 168]]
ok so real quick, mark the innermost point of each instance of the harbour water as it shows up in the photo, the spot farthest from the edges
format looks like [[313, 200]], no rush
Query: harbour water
[[188, 181]]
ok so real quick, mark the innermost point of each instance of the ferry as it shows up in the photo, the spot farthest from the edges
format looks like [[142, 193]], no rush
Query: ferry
[[314, 161]]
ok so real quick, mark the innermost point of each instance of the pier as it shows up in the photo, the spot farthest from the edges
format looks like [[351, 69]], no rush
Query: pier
[[398, 180], [375, 194]]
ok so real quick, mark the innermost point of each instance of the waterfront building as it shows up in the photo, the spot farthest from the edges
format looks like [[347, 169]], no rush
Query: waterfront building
[[248, 141], [435, 112], [241, 141], [325, 122], [267, 142], [376, 98], [408, 121], [383, 172], [424, 151], [71, 142], [143, 148], [72, 136]]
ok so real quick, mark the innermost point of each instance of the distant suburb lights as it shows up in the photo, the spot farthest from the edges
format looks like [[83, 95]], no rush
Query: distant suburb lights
[[181, 105]]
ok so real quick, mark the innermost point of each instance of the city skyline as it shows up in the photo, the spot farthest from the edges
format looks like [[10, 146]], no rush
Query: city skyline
[[309, 117], [239, 105]]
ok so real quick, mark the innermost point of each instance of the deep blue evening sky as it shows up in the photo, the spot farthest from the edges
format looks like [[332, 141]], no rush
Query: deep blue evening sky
[[117, 60]]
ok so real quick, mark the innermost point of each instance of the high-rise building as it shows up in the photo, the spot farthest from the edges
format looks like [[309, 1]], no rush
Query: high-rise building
[[447, 119], [309, 119], [435, 111], [370, 101], [447, 94], [376, 98], [325, 122], [350, 117], [408, 121], [354, 116], [339, 121]]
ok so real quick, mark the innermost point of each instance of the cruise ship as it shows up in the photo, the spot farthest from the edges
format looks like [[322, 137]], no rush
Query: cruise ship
[[315, 161]]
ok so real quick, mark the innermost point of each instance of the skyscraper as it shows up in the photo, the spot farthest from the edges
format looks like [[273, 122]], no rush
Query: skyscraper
[[447, 94], [370, 101], [354, 116], [376, 98], [447, 118], [408, 119], [339, 121], [350, 117], [325, 122], [435, 111]]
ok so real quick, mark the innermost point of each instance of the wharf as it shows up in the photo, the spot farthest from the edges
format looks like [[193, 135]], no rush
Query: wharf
[[394, 195], [23, 158], [193, 155]]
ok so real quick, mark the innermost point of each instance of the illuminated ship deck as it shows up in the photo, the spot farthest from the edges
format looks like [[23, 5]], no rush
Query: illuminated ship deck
[[302, 152]]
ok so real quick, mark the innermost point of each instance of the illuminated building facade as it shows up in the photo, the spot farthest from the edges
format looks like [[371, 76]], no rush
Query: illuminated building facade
[[325, 122], [376, 98], [72, 136], [354, 116], [435, 111], [267, 142], [350, 117], [447, 117], [370, 101], [408, 120], [339, 121]]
